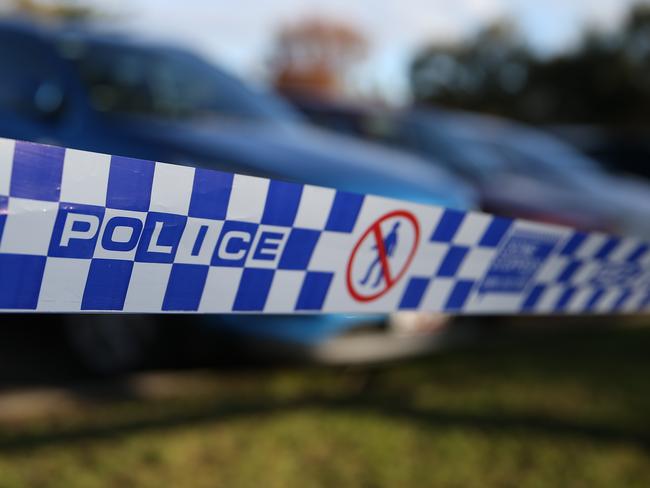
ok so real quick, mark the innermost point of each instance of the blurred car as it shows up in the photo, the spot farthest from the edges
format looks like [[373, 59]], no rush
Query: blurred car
[[518, 171], [117, 95], [619, 150]]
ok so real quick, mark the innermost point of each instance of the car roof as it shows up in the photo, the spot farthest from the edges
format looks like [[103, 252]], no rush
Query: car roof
[[95, 33]]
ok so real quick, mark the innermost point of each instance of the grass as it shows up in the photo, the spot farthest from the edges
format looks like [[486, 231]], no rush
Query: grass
[[558, 409]]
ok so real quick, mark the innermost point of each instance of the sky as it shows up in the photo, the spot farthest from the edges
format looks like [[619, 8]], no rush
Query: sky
[[239, 33]]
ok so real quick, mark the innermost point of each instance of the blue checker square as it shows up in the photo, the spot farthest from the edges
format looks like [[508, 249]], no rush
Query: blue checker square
[[595, 298], [37, 172], [20, 281], [644, 303], [448, 226], [253, 290], [210, 194], [533, 297], [75, 231], [282, 200], [343, 214], [573, 244], [107, 284], [495, 232], [314, 290], [459, 295], [569, 271], [414, 293], [564, 299], [636, 255], [160, 237], [452, 261], [607, 247], [185, 287], [129, 184], [299, 248], [4, 204], [620, 302]]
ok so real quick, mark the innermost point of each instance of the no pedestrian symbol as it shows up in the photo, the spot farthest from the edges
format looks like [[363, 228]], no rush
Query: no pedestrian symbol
[[382, 255]]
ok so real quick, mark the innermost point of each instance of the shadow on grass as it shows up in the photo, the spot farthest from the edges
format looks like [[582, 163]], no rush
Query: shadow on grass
[[388, 408], [613, 362]]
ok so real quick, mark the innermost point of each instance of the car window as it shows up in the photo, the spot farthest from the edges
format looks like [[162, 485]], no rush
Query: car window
[[552, 168], [518, 151], [30, 80], [168, 84]]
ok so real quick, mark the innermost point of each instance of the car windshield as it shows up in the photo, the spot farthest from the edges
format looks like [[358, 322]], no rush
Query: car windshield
[[168, 84]]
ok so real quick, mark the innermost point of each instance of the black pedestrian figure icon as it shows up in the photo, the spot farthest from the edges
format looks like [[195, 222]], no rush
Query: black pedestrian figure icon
[[390, 243]]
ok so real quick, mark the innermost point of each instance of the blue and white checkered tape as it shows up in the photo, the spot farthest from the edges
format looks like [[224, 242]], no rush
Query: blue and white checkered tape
[[82, 231]]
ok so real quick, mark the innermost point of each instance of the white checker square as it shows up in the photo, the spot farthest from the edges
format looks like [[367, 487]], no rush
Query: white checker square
[[579, 300], [63, 284], [284, 291], [220, 290], [472, 229], [586, 272], [607, 301], [171, 189], [591, 246], [147, 287], [314, 208], [28, 228], [624, 249], [437, 294], [85, 177], [191, 240], [6, 161], [120, 234], [331, 252], [476, 263], [549, 299], [428, 259], [551, 270], [634, 302], [493, 303], [247, 198], [645, 259]]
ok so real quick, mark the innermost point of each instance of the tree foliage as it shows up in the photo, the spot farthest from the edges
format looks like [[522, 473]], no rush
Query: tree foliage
[[606, 80]]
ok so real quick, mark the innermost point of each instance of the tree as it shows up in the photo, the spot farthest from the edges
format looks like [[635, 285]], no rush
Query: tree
[[605, 81], [482, 73], [316, 57], [57, 10]]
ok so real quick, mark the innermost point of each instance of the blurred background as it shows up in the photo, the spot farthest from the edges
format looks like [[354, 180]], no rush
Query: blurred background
[[527, 109]]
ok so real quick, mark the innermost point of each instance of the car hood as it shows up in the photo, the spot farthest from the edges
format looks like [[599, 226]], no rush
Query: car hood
[[308, 155]]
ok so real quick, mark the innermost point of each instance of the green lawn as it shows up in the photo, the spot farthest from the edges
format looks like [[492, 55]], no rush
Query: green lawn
[[563, 409]]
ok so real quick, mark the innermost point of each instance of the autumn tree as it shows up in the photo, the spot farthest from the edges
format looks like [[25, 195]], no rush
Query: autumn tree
[[316, 57], [54, 9]]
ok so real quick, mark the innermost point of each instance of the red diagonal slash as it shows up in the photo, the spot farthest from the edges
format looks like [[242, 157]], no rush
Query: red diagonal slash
[[383, 258], [389, 278]]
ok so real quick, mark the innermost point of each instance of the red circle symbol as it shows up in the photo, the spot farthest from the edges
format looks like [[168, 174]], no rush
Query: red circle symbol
[[390, 276]]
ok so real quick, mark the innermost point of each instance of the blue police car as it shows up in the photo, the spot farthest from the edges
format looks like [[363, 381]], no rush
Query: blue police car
[[113, 94]]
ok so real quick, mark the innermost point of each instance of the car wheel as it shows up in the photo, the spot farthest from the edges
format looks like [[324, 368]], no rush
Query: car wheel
[[112, 344], [404, 335]]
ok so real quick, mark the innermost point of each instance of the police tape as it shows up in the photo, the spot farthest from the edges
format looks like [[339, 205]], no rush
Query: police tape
[[81, 231]]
